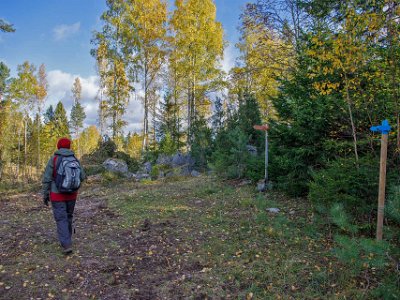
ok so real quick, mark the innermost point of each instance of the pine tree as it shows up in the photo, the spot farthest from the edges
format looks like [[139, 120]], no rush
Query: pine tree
[[49, 114], [60, 122], [218, 116], [168, 123]]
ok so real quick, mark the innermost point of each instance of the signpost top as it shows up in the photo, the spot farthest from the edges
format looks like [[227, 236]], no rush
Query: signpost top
[[384, 128], [264, 127]]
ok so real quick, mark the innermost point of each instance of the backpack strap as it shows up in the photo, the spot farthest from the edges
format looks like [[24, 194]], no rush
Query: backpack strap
[[54, 166]]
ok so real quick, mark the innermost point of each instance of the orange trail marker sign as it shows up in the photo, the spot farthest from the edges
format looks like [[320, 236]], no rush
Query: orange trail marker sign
[[265, 128]]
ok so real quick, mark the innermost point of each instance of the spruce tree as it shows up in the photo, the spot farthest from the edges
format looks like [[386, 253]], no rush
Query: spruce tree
[[60, 122]]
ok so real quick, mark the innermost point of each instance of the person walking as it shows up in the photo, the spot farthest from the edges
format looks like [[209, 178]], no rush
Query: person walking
[[61, 180]]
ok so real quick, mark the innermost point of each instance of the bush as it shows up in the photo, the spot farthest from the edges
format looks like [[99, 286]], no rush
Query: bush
[[342, 182], [361, 253], [107, 150], [93, 169], [133, 164], [393, 204]]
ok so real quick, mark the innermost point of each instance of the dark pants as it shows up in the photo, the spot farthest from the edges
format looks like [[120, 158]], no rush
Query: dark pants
[[63, 213]]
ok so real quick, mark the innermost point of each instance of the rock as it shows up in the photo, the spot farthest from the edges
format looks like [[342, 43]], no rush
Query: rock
[[147, 167], [185, 171], [180, 159], [115, 165], [244, 182], [140, 176], [292, 212], [273, 210], [195, 173], [164, 160], [252, 150], [261, 186], [130, 175]]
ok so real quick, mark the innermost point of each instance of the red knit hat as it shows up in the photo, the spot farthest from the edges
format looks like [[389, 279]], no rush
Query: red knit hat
[[64, 143]]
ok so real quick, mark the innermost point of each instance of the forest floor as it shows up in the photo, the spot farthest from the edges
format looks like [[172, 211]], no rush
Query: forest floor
[[196, 238]]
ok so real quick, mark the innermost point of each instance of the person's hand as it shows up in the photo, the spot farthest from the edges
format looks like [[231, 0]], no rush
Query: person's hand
[[46, 200]]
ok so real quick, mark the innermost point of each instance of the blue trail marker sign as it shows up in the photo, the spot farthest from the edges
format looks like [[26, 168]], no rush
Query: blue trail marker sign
[[384, 129]]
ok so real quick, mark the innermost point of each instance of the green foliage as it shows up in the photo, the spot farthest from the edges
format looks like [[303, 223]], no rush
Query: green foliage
[[77, 117], [341, 219], [133, 164], [111, 177], [392, 209], [361, 253], [105, 150], [354, 187], [168, 145], [201, 143], [60, 122], [231, 157], [93, 169]]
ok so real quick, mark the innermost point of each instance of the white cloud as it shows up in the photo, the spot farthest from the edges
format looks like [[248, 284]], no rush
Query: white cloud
[[60, 84], [63, 31], [230, 55]]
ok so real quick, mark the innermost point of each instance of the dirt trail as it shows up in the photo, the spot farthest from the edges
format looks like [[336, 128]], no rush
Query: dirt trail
[[110, 261]]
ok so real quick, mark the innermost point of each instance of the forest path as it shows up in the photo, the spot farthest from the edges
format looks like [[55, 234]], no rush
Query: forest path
[[184, 238], [111, 260]]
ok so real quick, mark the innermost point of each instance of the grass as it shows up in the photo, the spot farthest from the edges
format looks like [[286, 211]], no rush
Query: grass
[[243, 247], [191, 238]]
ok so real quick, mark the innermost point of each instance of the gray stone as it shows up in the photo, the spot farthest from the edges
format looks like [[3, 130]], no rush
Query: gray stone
[[147, 167], [252, 150], [261, 186], [273, 210], [164, 160], [141, 176], [244, 182], [185, 171], [195, 173], [116, 165], [130, 175], [180, 159]]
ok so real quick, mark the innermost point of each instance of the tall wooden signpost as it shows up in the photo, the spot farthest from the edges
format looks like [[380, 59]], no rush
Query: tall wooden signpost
[[264, 128], [384, 129]]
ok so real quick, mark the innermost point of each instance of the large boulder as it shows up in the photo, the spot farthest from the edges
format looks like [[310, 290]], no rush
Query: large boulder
[[178, 164], [115, 165], [147, 167], [180, 159]]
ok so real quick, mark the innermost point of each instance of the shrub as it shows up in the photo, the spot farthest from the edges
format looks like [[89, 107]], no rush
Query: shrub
[[360, 253], [342, 182], [393, 204], [133, 164]]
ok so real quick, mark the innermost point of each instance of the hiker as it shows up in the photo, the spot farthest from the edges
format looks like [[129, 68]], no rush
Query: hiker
[[61, 180]]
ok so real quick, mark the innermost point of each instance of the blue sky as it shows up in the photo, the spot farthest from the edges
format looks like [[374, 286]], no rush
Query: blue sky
[[58, 33]]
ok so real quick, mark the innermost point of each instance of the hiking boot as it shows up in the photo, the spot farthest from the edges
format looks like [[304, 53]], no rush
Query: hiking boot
[[67, 250]]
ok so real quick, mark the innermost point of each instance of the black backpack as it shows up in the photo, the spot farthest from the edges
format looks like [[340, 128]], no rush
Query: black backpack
[[67, 173]]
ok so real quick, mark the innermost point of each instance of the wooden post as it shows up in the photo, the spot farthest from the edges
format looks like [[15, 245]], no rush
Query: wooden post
[[382, 187], [384, 128], [264, 128]]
